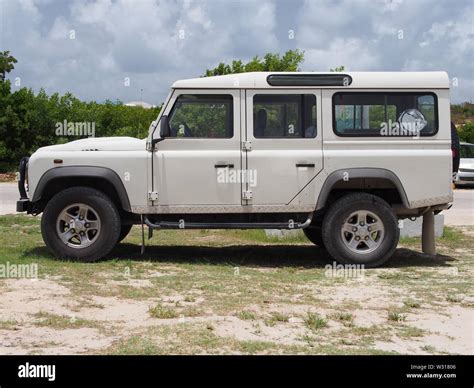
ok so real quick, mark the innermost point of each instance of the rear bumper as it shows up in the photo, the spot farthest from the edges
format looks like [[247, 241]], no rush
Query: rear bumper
[[466, 178]]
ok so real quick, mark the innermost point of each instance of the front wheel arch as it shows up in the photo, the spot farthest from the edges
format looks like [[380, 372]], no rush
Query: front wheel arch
[[103, 179]]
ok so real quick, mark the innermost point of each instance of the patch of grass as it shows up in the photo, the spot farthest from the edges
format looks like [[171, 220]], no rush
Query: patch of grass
[[451, 235], [275, 318], [314, 321], [413, 304], [395, 316], [45, 319], [410, 332], [8, 324], [162, 312], [247, 315], [191, 312], [428, 348], [390, 275], [136, 345], [189, 299], [454, 298], [347, 319]]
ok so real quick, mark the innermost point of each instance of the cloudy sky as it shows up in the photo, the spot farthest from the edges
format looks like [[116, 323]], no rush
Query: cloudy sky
[[93, 48]]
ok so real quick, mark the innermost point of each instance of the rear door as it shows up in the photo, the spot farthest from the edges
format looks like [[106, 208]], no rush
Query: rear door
[[283, 131]]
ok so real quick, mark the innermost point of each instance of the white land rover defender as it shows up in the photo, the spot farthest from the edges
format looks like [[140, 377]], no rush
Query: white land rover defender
[[341, 156]]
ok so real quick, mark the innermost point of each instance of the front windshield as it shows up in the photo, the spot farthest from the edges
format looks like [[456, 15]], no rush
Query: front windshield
[[467, 151]]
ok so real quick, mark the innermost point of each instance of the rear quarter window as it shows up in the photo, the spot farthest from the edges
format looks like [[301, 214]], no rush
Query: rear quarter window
[[385, 114]]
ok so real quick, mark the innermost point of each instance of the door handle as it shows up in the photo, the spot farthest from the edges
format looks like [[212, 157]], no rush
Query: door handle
[[223, 165], [304, 164]]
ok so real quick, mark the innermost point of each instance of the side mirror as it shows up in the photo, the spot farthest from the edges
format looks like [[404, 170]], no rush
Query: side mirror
[[165, 129]]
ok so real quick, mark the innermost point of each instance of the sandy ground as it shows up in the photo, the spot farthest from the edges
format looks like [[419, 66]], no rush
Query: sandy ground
[[449, 329]]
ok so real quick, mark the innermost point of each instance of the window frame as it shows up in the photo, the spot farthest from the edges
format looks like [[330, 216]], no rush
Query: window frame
[[282, 93], [229, 119], [389, 93]]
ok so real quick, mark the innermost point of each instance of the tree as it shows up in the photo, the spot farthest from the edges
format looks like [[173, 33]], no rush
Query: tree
[[338, 69], [466, 132], [290, 61], [6, 64]]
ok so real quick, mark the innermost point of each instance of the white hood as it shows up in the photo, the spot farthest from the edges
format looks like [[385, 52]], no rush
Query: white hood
[[100, 144]]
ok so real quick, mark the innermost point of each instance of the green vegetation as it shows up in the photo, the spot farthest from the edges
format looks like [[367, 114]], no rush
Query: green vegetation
[[396, 316], [290, 61], [29, 121], [247, 315], [276, 317], [314, 321], [162, 312], [61, 321]]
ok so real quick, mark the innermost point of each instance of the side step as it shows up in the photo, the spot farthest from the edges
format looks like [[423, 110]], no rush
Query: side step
[[227, 225]]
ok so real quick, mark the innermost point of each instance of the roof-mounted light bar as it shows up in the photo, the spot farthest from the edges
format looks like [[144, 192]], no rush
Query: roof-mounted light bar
[[309, 79]]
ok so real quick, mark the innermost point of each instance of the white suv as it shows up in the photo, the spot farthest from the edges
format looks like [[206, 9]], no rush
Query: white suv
[[341, 156]]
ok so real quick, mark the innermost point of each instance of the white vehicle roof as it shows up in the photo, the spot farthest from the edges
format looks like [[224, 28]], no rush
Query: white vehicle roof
[[369, 80]]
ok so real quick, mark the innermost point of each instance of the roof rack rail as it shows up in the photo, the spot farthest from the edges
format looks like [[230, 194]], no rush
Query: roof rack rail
[[309, 79]]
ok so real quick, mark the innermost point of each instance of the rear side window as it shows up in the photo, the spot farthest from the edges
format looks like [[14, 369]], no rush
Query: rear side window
[[202, 116], [284, 116], [385, 114]]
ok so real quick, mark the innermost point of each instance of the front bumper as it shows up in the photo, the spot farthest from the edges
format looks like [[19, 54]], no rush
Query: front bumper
[[23, 205]]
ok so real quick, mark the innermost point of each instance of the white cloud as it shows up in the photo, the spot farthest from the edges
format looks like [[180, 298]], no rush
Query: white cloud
[[355, 54], [140, 39]]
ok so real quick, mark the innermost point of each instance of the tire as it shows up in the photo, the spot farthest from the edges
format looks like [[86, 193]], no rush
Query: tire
[[360, 210], [124, 231], [455, 148], [315, 235], [100, 234]]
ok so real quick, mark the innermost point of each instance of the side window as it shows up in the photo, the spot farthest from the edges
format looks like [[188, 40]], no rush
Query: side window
[[384, 114], [202, 116], [284, 116]]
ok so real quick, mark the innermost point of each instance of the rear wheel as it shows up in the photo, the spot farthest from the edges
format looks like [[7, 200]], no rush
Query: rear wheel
[[360, 228], [80, 223]]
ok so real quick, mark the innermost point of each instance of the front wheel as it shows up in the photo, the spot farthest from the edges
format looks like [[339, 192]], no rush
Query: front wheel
[[361, 228], [80, 223], [124, 231]]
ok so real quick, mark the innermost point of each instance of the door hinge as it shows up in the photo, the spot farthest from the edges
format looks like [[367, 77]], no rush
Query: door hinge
[[247, 195], [247, 145], [153, 195]]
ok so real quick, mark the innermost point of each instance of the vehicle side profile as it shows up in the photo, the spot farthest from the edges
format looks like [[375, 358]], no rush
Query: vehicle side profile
[[342, 156]]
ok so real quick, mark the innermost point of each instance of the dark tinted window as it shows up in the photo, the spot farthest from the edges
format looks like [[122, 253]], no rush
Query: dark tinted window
[[203, 116], [284, 115], [384, 114]]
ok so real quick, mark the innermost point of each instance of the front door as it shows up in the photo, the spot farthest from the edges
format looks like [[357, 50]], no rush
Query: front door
[[194, 166]]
